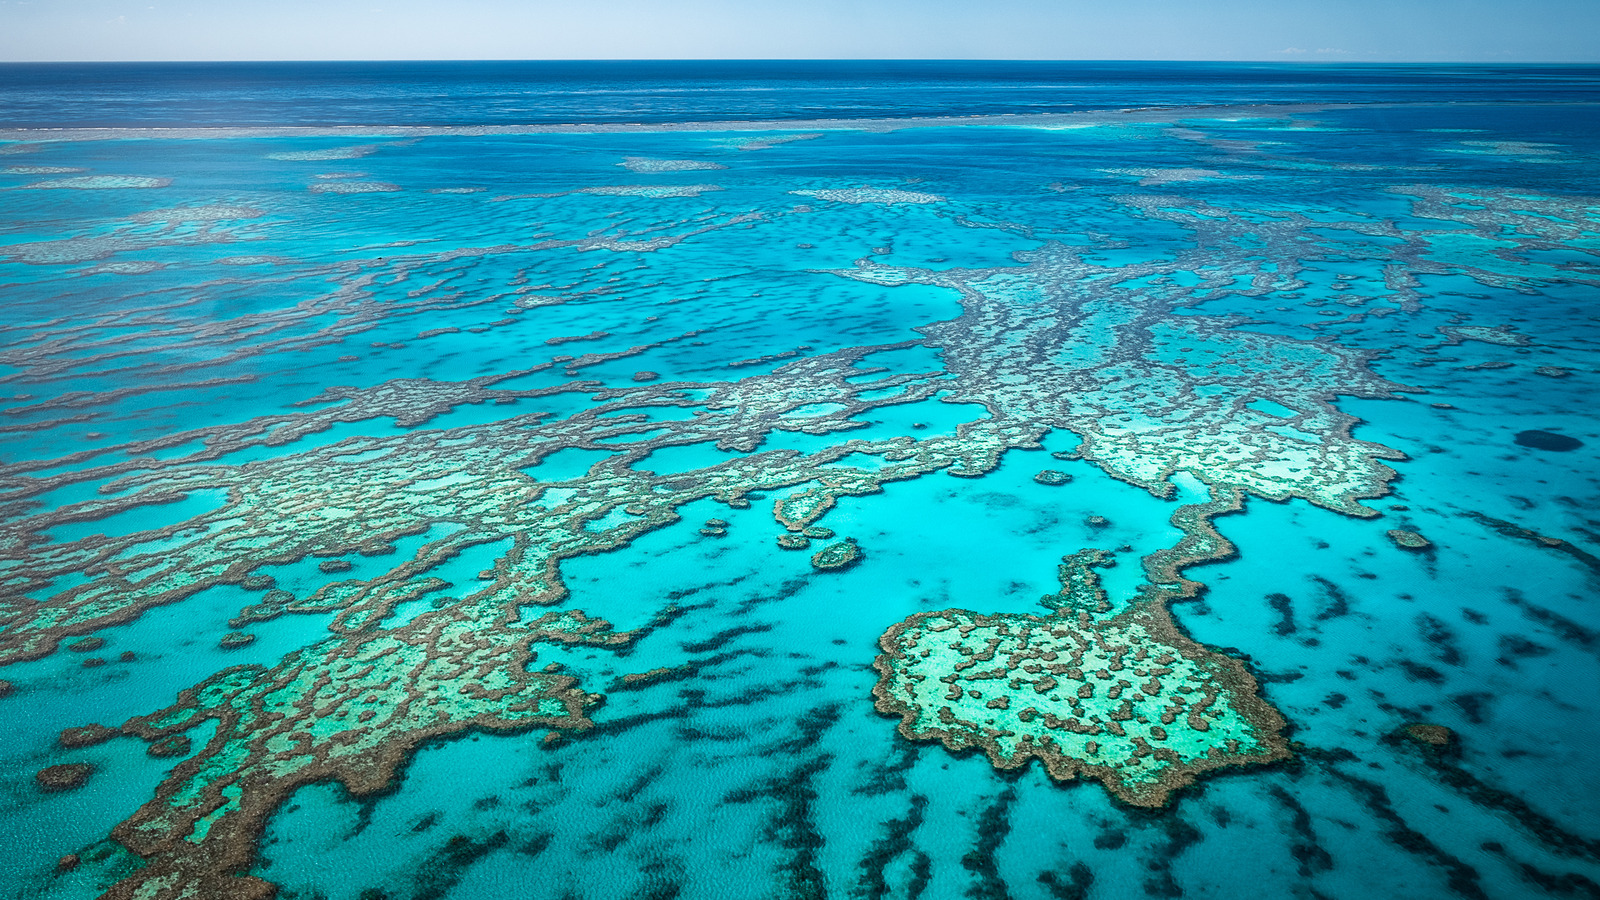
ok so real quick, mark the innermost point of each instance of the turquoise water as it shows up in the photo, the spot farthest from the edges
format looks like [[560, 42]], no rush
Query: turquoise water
[[413, 411]]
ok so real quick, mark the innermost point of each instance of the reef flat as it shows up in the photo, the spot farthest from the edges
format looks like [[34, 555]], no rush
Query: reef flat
[[413, 517], [1127, 700]]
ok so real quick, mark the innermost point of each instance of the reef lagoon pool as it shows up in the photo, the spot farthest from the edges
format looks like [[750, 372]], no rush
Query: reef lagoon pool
[[804, 480]]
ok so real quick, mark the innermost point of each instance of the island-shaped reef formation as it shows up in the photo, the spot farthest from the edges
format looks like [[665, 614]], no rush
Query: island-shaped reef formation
[[1125, 698]]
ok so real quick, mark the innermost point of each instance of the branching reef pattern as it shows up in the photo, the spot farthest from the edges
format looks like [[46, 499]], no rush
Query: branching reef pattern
[[1206, 409]]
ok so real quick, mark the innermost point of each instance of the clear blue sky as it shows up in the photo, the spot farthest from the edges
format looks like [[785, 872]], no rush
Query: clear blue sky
[[1372, 30]]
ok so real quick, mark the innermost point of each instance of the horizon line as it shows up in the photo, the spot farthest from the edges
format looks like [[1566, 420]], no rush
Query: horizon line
[[1289, 60]]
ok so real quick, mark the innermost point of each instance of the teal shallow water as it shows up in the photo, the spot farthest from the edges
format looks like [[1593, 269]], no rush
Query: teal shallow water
[[328, 381]]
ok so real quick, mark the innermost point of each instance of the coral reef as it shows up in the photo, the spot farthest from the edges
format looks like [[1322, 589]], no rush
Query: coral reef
[[1437, 736], [1161, 393], [173, 745], [354, 187], [635, 680], [644, 164], [349, 709], [63, 777], [102, 182], [885, 196], [1409, 540], [1125, 698], [837, 557], [85, 736]]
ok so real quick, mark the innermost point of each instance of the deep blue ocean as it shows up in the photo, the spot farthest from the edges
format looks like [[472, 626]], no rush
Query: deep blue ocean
[[799, 480], [53, 95]]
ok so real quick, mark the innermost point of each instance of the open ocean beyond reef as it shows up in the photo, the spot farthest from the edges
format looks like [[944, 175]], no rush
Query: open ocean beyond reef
[[799, 480]]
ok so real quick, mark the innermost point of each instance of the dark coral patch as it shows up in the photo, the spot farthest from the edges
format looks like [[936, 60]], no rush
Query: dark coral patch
[[1547, 440], [1429, 734], [170, 746], [85, 736], [65, 777], [1409, 540]]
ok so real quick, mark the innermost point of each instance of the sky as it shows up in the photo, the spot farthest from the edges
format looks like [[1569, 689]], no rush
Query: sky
[[1285, 30]]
